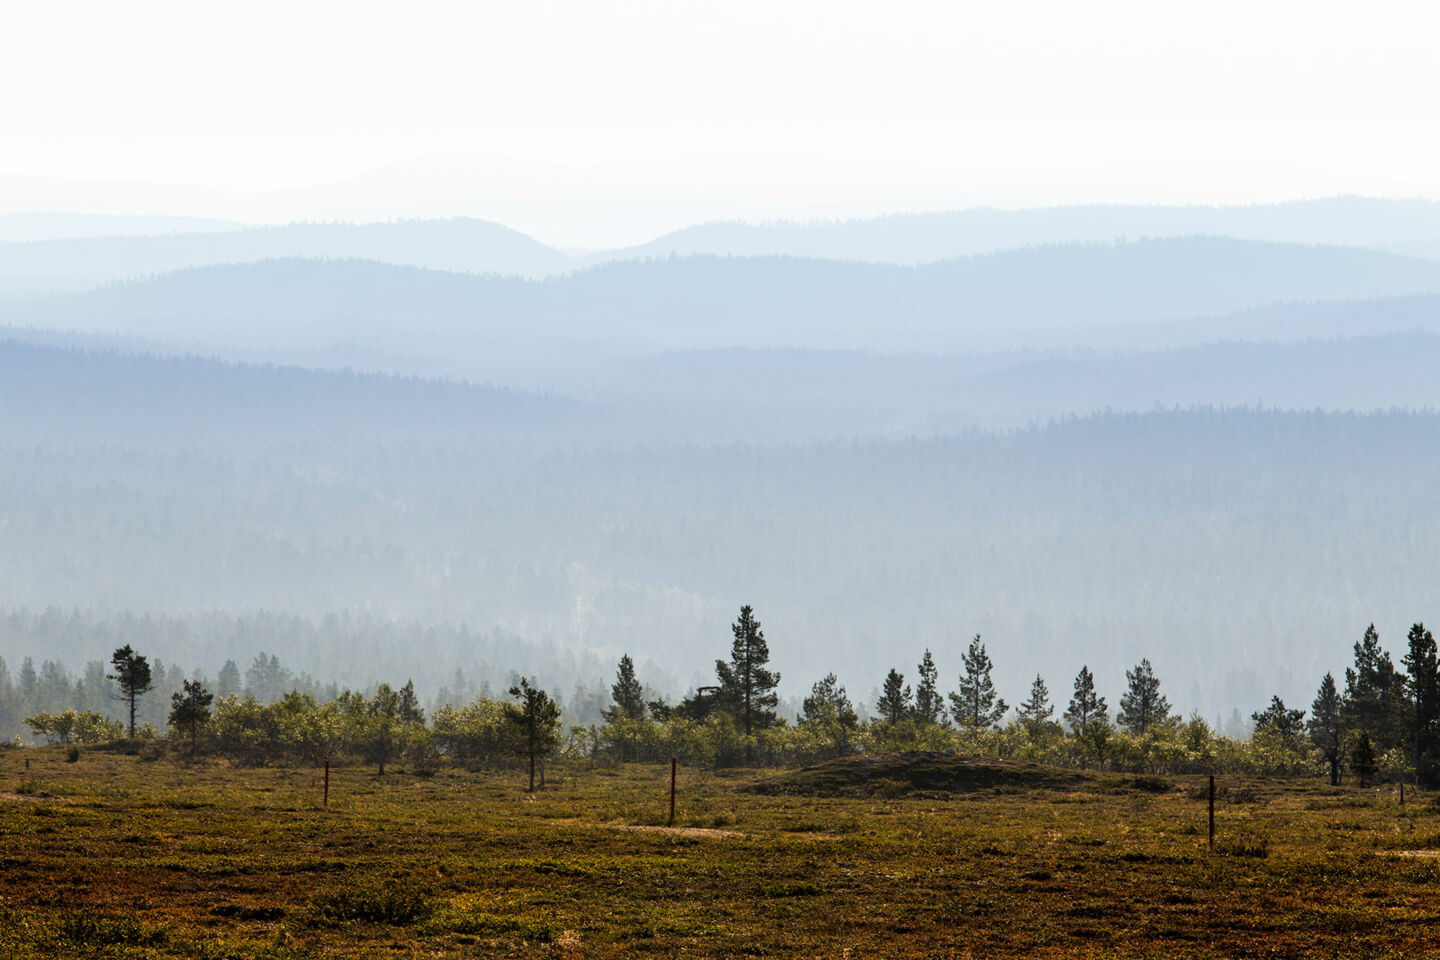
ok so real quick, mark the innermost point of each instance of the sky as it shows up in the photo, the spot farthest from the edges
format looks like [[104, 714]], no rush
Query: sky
[[594, 123]]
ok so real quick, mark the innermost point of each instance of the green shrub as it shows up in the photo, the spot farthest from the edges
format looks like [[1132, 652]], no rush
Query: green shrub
[[398, 903], [88, 930]]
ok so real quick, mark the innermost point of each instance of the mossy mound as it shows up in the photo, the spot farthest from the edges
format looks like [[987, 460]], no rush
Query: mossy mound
[[900, 774]]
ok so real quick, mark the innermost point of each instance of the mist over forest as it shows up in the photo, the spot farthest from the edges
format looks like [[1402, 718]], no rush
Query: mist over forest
[[1203, 436]]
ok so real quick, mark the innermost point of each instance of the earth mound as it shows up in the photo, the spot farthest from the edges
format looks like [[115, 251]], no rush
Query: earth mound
[[898, 774]]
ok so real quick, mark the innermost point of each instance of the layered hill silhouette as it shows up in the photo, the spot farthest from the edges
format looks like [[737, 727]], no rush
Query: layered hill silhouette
[[1025, 298], [65, 253], [462, 244], [916, 238]]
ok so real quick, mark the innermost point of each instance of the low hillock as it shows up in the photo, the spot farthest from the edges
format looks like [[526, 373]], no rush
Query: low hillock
[[899, 774]]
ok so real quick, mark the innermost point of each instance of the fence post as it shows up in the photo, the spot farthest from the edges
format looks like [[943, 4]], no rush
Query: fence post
[[325, 801], [672, 791], [1212, 813]]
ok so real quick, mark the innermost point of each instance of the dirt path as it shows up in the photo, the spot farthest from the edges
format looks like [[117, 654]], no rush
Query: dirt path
[[676, 831], [26, 798]]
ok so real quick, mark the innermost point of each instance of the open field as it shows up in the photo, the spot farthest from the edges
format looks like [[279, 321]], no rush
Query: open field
[[116, 857]]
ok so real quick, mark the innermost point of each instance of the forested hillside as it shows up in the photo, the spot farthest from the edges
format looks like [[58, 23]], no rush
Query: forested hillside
[[1241, 550]]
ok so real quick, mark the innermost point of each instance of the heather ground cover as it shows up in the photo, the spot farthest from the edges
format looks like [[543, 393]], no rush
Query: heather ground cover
[[115, 856]]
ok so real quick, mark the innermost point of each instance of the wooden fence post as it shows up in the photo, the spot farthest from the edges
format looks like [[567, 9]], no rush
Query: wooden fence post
[[325, 801], [1212, 813], [672, 791]]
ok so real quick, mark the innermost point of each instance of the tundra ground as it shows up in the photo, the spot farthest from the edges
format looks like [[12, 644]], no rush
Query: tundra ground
[[112, 856]]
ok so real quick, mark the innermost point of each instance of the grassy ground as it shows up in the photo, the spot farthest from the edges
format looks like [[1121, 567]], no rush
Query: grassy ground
[[117, 857]]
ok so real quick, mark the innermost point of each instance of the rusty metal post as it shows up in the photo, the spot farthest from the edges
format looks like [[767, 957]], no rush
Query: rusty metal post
[[325, 801], [1212, 813], [673, 764]]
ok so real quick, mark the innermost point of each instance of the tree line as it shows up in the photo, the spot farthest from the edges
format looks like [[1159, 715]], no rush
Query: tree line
[[1385, 722]]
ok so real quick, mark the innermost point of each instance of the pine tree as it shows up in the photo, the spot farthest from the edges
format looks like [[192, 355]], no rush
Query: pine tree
[[267, 678], [190, 709], [228, 682], [746, 686], [1325, 726], [828, 702], [1085, 707], [626, 694], [1036, 711], [1373, 691], [1362, 759], [132, 673], [975, 705], [1422, 684], [1280, 720], [536, 719], [1142, 706], [894, 703], [409, 706], [929, 701]]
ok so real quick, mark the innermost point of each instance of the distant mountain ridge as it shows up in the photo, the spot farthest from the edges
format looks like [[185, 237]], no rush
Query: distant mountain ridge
[[916, 238], [461, 245], [54, 253], [1031, 297]]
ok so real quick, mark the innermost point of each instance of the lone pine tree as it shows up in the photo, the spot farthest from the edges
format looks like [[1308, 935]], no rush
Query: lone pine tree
[[626, 695], [746, 686], [132, 674], [536, 718], [975, 705]]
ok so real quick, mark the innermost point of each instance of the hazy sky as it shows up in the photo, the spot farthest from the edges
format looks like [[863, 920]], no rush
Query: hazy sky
[[593, 123]]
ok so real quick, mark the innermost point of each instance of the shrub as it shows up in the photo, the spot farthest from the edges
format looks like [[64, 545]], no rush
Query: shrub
[[398, 903]]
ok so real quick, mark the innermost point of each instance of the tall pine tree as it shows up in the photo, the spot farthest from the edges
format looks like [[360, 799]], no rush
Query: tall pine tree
[[975, 705], [132, 674], [1422, 683], [1036, 711], [1373, 692], [626, 695], [746, 686], [929, 701], [1326, 728], [1086, 707], [894, 703], [1142, 706]]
